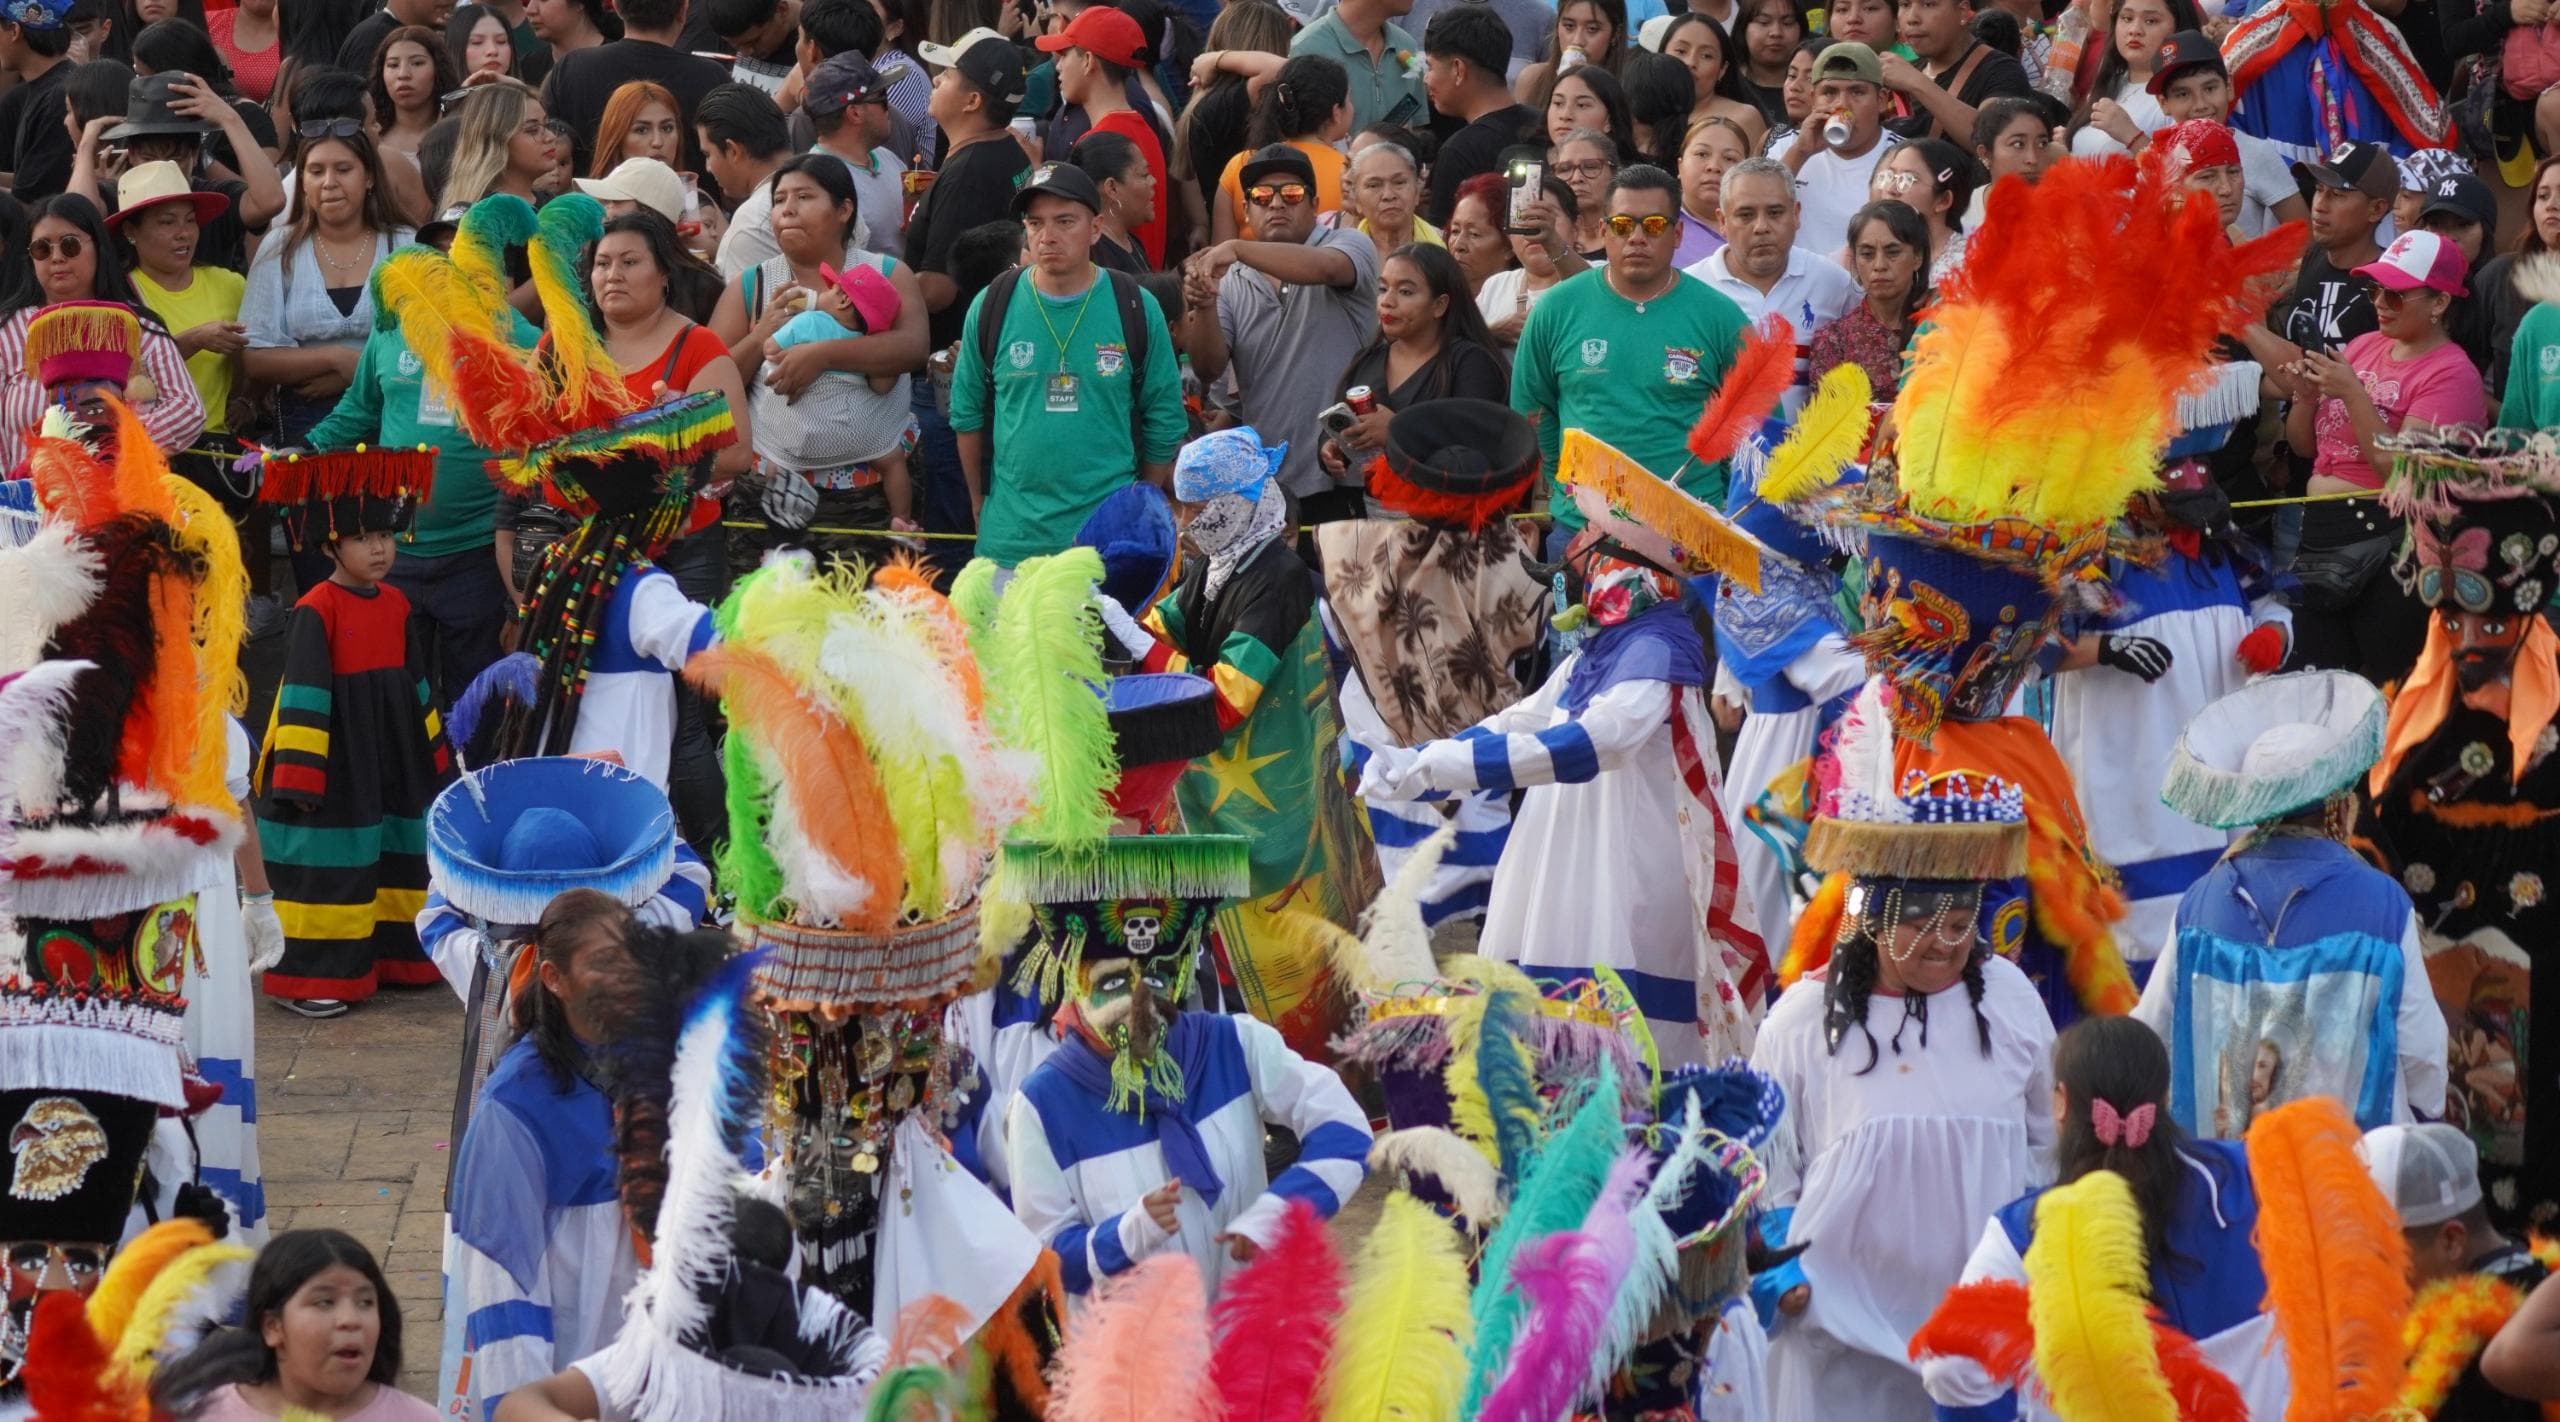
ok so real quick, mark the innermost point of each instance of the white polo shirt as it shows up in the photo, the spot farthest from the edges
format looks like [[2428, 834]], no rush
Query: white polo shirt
[[1814, 293]]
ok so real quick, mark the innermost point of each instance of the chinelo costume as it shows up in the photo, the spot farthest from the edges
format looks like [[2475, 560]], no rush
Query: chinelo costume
[[123, 667], [1244, 616], [1986, 524], [1145, 1086], [2465, 799], [604, 630], [868, 796], [1952, 1088], [2309, 75], [355, 748], [1439, 613], [2294, 968]]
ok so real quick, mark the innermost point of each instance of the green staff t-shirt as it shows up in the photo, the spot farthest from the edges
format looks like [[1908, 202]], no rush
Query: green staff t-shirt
[[1061, 426]]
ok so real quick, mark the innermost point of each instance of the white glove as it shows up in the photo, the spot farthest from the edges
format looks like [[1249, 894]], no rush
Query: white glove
[[1389, 776], [264, 930], [1135, 640]]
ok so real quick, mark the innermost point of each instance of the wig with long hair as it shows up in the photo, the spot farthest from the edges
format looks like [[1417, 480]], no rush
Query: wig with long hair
[[1299, 102], [622, 111], [447, 78], [2121, 1062], [241, 1355], [302, 221], [1460, 322], [489, 119], [1851, 984]]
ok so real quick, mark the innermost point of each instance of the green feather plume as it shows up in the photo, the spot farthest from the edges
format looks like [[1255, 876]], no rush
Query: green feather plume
[[1563, 1181], [1042, 670], [899, 1392], [1508, 1072], [747, 867], [974, 597]]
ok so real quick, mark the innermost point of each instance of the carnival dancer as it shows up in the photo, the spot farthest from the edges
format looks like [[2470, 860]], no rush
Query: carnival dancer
[[860, 753], [355, 748], [1976, 553], [1946, 1092], [2190, 619], [1620, 859], [2189, 1206], [1243, 616], [603, 630], [2293, 967], [132, 593], [1439, 613], [2310, 77], [2466, 794]]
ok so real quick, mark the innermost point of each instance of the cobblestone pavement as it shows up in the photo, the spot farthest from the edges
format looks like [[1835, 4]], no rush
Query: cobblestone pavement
[[353, 1119]]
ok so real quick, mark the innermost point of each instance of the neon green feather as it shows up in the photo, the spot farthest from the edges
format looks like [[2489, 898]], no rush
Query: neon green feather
[[974, 597], [1042, 672]]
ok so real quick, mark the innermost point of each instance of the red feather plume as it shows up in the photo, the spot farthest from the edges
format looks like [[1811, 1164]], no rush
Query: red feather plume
[[1985, 1321], [1275, 1324], [69, 1375], [1760, 375], [2203, 1392]]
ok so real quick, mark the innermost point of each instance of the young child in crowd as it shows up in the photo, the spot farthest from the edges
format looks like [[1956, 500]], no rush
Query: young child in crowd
[[355, 750], [2431, 1174], [841, 419], [320, 1336]]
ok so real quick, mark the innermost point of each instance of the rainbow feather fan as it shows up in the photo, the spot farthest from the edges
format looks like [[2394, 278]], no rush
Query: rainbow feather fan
[[470, 359], [2336, 1262], [587, 389], [1275, 1323], [2047, 381]]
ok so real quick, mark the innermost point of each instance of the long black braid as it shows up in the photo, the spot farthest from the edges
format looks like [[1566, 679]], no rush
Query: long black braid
[[1851, 982]]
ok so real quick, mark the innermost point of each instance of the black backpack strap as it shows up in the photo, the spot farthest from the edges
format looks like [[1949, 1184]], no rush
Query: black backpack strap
[[1133, 330], [991, 309]]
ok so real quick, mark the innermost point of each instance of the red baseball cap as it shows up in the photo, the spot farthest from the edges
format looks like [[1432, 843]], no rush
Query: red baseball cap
[[1102, 32]]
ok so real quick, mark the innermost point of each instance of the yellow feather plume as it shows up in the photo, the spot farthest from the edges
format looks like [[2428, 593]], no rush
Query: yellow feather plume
[[129, 1275], [1826, 437], [2087, 1287], [221, 620], [1400, 1352], [1489, 974], [192, 1291], [1470, 1111]]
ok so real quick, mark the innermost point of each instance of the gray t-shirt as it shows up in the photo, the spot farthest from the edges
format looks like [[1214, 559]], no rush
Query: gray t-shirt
[[1286, 345]]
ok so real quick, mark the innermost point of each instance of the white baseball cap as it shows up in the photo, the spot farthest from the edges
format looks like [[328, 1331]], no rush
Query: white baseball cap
[[646, 181], [2429, 1171]]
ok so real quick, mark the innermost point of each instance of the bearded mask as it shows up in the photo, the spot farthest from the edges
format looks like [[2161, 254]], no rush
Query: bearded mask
[[1126, 1004]]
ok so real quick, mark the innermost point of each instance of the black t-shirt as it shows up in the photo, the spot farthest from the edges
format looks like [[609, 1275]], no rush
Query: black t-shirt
[[1994, 75], [584, 79], [39, 146], [1771, 101], [1118, 258], [2472, 1398], [2327, 309], [974, 187], [1462, 370], [1219, 118], [1473, 151], [356, 55]]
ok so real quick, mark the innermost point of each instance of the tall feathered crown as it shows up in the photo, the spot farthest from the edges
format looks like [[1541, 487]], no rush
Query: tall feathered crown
[[2042, 393]]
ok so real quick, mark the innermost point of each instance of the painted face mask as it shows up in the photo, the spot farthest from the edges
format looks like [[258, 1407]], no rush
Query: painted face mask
[[1126, 1003]]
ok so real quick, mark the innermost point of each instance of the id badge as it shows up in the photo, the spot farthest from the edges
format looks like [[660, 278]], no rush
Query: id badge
[[1062, 394], [432, 410]]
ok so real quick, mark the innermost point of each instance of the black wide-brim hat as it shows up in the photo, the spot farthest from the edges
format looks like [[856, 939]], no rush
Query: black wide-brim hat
[[1457, 462]]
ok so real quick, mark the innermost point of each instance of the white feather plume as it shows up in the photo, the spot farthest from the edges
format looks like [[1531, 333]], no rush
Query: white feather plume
[[1397, 941], [45, 582], [1865, 753], [1470, 1180], [32, 707]]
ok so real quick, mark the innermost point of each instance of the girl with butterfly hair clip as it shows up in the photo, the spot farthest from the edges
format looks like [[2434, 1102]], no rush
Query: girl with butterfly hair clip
[[2192, 1216]]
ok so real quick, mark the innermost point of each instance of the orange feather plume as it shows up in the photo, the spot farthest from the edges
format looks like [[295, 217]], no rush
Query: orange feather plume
[[2336, 1262], [119, 1291], [1761, 373], [929, 1330], [1039, 1303], [1985, 1321], [841, 813]]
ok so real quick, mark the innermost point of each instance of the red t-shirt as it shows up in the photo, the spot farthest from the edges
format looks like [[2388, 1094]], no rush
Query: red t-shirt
[[1137, 130], [677, 365]]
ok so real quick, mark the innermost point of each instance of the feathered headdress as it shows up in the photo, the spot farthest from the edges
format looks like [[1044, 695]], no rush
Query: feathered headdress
[[359, 490], [1875, 824], [160, 1295], [2037, 405], [866, 795], [696, 1299]]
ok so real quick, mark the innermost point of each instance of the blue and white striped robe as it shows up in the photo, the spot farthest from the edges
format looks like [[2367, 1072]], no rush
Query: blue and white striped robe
[[1080, 1169]]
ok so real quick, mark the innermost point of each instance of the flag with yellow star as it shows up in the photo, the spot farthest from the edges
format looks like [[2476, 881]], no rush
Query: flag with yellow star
[[1277, 781]]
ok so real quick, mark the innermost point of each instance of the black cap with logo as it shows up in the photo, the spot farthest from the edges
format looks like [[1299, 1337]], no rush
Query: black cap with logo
[[2367, 168]]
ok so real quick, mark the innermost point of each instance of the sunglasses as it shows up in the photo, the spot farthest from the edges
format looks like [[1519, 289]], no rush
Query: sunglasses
[[1287, 194], [43, 248], [329, 128], [1653, 223]]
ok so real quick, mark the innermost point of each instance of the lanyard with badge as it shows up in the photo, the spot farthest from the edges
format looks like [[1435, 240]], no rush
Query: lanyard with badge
[[1062, 396]]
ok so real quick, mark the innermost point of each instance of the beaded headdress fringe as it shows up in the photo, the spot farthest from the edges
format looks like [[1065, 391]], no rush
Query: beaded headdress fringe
[[1869, 850], [116, 1045], [1171, 866]]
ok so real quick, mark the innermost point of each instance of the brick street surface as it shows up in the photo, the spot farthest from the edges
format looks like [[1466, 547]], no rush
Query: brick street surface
[[353, 1119]]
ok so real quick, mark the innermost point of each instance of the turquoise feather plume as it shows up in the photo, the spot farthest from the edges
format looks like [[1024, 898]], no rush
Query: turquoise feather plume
[[1563, 1182], [1657, 1255], [488, 229], [1504, 1070]]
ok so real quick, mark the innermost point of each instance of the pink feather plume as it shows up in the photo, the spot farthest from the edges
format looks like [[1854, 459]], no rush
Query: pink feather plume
[[1139, 1352], [1275, 1324], [1570, 1280]]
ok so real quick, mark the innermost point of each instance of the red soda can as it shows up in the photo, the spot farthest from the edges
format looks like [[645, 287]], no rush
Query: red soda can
[[1359, 398]]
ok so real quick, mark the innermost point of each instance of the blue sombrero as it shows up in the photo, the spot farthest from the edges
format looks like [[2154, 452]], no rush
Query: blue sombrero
[[504, 841], [1133, 531]]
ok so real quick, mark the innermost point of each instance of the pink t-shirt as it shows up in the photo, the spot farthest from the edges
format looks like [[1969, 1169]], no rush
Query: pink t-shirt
[[389, 1404], [2441, 387]]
